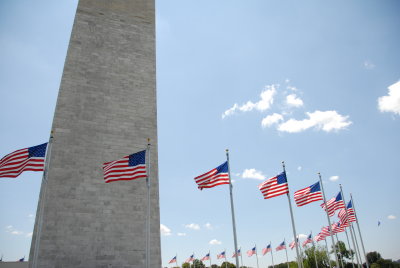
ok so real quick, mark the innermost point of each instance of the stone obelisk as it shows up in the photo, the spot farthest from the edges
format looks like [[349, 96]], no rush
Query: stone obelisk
[[106, 109]]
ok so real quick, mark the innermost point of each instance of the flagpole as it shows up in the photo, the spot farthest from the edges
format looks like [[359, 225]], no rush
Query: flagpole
[[359, 259], [315, 256], [176, 255], [232, 207], [287, 259], [241, 255], [43, 189], [256, 255], [301, 252], [209, 255], [348, 243], [359, 231], [327, 253], [226, 262], [291, 215], [352, 238], [329, 220], [148, 207], [341, 259], [273, 266]]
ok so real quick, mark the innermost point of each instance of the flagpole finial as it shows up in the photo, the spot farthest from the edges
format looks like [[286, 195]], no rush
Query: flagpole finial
[[227, 150], [148, 141]]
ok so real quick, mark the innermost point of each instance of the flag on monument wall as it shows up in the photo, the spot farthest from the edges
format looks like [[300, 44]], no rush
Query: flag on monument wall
[[27, 159], [266, 249], [274, 186], [173, 260], [307, 195], [206, 258], [221, 255], [281, 246], [214, 177], [334, 204], [130, 167], [251, 252]]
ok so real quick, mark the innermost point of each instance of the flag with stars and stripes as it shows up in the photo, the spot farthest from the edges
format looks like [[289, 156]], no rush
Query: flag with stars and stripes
[[221, 255], [190, 259], [307, 195], [293, 244], [128, 168], [173, 260], [274, 186], [27, 159], [214, 177], [206, 258], [281, 246], [334, 204], [350, 216], [266, 249], [308, 240], [236, 254], [251, 252]]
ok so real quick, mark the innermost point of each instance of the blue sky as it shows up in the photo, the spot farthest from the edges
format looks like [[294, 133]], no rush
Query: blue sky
[[312, 83]]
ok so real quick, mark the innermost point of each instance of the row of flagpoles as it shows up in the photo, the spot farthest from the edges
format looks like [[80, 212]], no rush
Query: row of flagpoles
[[134, 166]]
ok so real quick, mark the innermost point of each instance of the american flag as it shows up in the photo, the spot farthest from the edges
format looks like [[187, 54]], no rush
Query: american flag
[[214, 177], [337, 227], [206, 258], [350, 216], [221, 255], [27, 159], [319, 237], [190, 259], [173, 260], [307, 195], [281, 246], [236, 254], [344, 224], [334, 204], [308, 240], [127, 168], [274, 186], [325, 231], [266, 249], [251, 252], [293, 244]]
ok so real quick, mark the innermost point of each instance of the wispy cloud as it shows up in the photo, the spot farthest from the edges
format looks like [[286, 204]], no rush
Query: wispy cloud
[[181, 234], [294, 101], [391, 217], [165, 231], [391, 102], [252, 174], [368, 65], [321, 120], [269, 120], [302, 236], [10, 229], [208, 226], [265, 102], [299, 168], [333, 178], [215, 242], [193, 226]]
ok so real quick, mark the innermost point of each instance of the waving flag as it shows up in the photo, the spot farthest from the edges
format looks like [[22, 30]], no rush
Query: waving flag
[[206, 258], [266, 249], [350, 216], [221, 255], [236, 254], [130, 167], [173, 260], [307, 195], [281, 246], [319, 237], [334, 204], [251, 252], [190, 259], [27, 159], [274, 186], [325, 231], [293, 244], [214, 177], [337, 227], [308, 240]]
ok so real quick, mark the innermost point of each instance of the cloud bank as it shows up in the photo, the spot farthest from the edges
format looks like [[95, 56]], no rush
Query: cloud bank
[[391, 102]]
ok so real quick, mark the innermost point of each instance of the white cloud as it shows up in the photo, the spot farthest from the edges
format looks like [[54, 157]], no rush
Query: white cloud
[[302, 236], [165, 230], [271, 119], [193, 226], [265, 102], [10, 229], [326, 120], [391, 217], [294, 101], [215, 242], [334, 178], [252, 174], [391, 102], [299, 168], [29, 234], [368, 65], [208, 226], [181, 234]]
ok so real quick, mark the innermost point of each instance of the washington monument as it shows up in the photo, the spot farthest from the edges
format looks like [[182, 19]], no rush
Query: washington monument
[[106, 109]]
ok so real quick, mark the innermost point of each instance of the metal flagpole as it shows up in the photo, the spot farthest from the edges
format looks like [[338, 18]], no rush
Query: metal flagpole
[[359, 259], [329, 220], [287, 259], [232, 208], [42, 197], [241, 255], [256, 254], [327, 253], [359, 231], [348, 243], [226, 262], [177, 264], [293, 226], [209, 255], [341, 259], [148, 206], [193, 261], [315, 256], [272, 255], [352, 238]]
